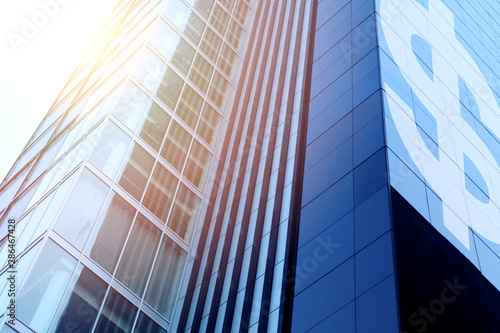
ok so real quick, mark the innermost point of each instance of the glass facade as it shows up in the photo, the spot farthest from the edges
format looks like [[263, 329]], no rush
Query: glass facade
[[107, 193], [266, 166]]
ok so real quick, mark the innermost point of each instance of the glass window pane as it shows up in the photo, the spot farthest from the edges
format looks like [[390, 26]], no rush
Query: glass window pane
[[80, 211], [146, 324], [235, 34], [228, 4], [197, 166], [160, 192], [211, 44], [164, 38], [148, 69], [81, 304], [118, 314], [170, 88], [155, 126], [135, 265], [208, 127], [194, 28], [110, 149], [134, 176], [44, 288], [241, 12], [183, 56], [227, 60], [176, 12], [107, 239], [165, 278], [201, 73], [176, 145], [219, 19], [189, 107], [219, 90], [204, 7], [130, 105], [183, 215]]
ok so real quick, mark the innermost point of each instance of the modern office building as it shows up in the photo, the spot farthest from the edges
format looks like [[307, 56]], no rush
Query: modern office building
[[266, 166]]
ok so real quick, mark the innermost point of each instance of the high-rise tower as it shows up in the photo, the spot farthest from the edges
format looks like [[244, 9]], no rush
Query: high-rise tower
[[266, 166]]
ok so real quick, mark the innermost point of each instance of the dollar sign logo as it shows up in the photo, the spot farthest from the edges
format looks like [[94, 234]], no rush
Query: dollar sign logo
[[459, 145]]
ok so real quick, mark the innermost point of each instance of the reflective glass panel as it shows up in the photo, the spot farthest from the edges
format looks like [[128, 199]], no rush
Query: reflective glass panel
[[148, 69], [146, 324], [219, 19], [227, 60], [154, 126], [160, 192], [235, 34], [176, 12], [211, 44], [42, 292], [194, 28], [164, 38], [176, 145], [136, 170], [201, 73], [184, 212], [183, 56], [118, 314], [204, 7], [108, 236], [170, 88], [81, 303], [197, 165], [130, 105], [135, 264], [82, 208], [208, 127], [110, 149], [165, 278], [189, 107], [218, 91]]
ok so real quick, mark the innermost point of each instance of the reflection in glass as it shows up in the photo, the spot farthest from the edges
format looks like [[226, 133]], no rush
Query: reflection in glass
[[170, 88], [110, 149], [136, 170], [219, 19], [155, 126], [189, 107], [235, 34], [160, 192], [176, 145], [208, 127], [164, 38], [197, 165], [130, 105], [165, 279], [183, 215], [211, 44], [148, 69], [201, 73], [82, 208], [204, 7], [107, 239], [176, 12], [218, 90], [183, 56], [227, 60], [118, 314], [135, 264], [194, 28], [81, 303], [146, 324], [44, 288]]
